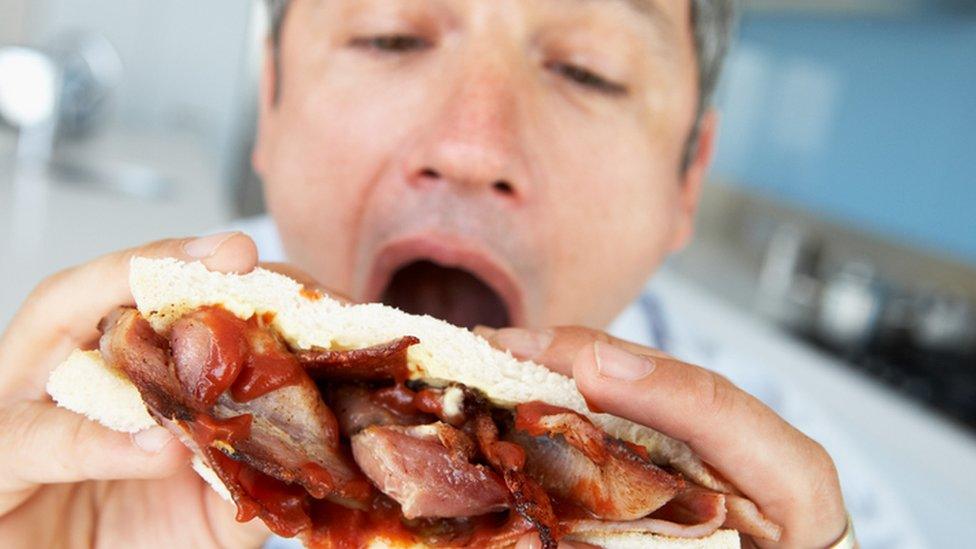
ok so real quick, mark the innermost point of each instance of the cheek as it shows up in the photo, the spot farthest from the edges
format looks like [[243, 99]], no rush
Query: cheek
[[333, 139], [611, 205]]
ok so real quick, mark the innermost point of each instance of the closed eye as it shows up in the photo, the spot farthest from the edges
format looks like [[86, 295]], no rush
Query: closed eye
[[586, 78], [392, 43]]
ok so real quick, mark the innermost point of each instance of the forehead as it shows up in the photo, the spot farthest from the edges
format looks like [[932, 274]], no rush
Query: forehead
[[658, 12], [666, 12], [667, 18]]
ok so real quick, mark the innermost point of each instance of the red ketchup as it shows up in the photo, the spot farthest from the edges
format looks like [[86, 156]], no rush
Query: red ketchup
[[228, 352], [398, 398], [319, 480], [340, 527], [528, 416], [208, 430], [245, 358], [265, 372], [283, 507]]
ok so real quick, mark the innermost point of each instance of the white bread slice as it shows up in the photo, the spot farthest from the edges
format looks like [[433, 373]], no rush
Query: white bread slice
[[85, 384], [165, 289], [639, 540], [627, 540]]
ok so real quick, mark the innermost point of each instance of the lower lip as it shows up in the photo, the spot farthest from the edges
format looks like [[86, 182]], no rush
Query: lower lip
[[446, 251]]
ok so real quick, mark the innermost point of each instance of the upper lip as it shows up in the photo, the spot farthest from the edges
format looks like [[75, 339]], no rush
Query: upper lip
[[447, 251]]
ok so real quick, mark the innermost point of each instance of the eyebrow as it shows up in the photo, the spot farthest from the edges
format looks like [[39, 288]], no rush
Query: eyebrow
[[646, 7], [653, 12]]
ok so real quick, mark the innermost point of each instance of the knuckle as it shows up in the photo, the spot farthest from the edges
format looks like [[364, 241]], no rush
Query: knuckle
[[21, 424], [714, 400], [582, 333], [9, 426], [823, 487], [46, 435], [117, 263], [79, 437], [824, 465], [35, 314], [718, 394], [167, 247]]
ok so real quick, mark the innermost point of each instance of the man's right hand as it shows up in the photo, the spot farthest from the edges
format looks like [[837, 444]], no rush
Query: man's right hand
[[67, 481]]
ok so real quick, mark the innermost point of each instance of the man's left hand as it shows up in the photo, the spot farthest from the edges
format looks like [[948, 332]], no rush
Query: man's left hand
[[787, 474]]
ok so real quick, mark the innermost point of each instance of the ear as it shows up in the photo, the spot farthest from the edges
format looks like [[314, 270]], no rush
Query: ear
[[267, 94], [693, 179]]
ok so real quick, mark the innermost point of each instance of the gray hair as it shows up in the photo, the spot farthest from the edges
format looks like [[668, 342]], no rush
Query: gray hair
[[713, 22]]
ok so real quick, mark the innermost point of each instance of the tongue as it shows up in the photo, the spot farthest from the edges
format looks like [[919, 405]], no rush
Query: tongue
[[449, 294]]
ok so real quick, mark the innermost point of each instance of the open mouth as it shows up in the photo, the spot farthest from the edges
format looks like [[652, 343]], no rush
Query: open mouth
[[448, 293]]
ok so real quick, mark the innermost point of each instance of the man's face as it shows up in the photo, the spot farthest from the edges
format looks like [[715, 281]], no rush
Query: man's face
[[511, 161]]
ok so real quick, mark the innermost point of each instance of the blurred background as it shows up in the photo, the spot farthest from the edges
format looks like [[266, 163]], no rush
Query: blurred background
[[837, 236]]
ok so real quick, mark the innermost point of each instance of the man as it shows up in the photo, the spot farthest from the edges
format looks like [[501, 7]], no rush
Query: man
[[512, 162]]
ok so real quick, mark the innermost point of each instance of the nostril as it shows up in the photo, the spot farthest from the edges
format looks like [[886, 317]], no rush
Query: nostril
[[504, 187], [430, 173]]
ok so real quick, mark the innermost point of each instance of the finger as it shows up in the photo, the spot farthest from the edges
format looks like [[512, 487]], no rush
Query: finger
[[43, 444], [306, 280], [788, 475], [555, 348], [226, 531], [62, 313]]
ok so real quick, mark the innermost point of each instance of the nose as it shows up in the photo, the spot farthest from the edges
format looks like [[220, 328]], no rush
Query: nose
[[473, 143]]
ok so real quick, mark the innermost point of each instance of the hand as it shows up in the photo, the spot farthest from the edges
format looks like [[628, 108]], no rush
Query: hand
[[788, 475], [67, 481]]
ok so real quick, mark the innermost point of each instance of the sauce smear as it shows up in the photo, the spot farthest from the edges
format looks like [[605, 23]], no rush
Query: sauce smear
[[207, 430], [228, 351], [245, 357], [283, 507]]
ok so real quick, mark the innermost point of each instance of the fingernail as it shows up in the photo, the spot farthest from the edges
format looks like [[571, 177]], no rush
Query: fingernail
[[524, 344], [615, 363], [484, 331], [530, 541], [206, 246], [152, 440]]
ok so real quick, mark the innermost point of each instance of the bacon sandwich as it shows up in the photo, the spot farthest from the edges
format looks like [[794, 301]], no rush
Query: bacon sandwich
[[363, 426]]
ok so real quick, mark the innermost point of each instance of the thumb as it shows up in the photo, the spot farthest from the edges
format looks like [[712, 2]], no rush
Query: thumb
[[555, 348], [62, 313], [43, 444]]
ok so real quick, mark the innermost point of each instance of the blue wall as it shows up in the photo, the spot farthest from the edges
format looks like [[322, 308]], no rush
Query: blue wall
[[870, 121]]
